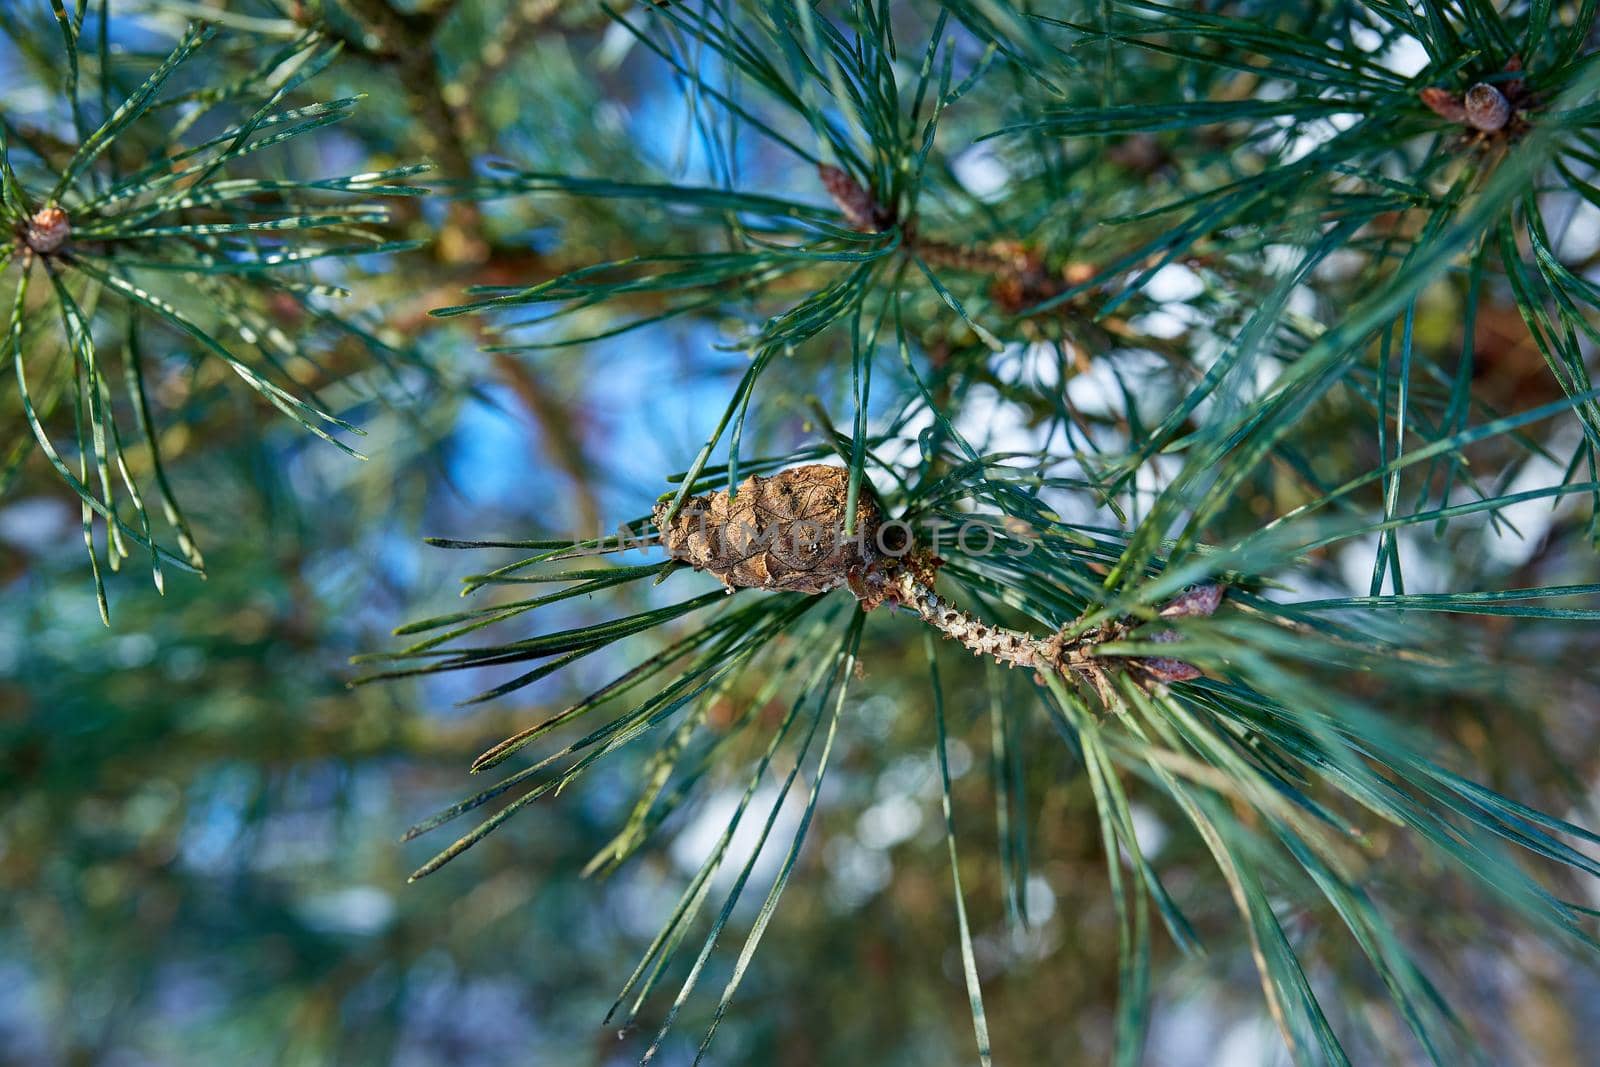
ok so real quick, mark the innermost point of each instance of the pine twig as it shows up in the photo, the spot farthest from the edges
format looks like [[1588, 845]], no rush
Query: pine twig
[[785, 532]]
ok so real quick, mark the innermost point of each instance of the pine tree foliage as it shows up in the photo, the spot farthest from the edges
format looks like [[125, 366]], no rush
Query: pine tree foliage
[[1235, 275], [148, 215], [1287, 147]]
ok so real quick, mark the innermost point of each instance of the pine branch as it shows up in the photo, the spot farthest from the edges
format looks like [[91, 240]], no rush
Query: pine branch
[[127, 235], [1240, 475]]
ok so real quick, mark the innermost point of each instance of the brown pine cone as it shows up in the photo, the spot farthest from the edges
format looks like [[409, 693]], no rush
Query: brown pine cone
[[785, 531]]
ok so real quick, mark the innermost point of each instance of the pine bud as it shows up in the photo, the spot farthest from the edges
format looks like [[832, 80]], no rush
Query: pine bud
[[780, 532], [1200, 602], [854, 202], [1487, 108], [1443, 102], [47, 230]]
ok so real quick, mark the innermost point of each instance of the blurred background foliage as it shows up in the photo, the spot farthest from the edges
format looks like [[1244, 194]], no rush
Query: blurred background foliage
[[199, 834]]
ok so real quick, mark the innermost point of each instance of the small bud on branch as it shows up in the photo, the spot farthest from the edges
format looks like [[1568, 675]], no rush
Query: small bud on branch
[[857, 205], [1486, 108], [1444, 104], [1019, 275], [47, 230]]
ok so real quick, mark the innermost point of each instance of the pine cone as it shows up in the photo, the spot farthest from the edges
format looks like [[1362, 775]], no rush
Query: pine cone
[[781, 532]]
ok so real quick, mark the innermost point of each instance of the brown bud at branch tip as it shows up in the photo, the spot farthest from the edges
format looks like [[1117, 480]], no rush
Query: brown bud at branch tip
[[854, 202], [1444, 104], [1486, 108], [47, 230]]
